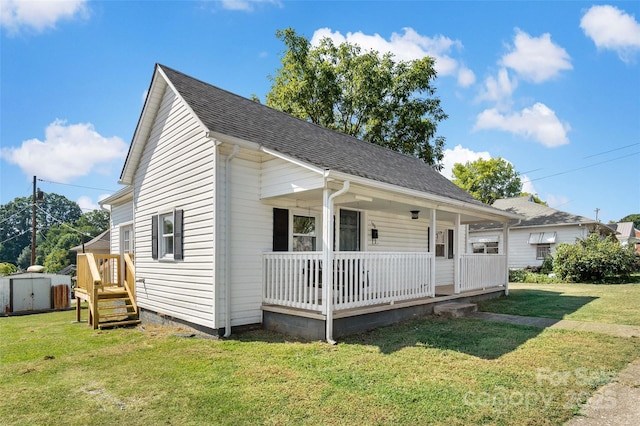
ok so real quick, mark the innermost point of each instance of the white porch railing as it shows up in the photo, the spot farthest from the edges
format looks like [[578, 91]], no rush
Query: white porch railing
[[359, 278], [478, 271]]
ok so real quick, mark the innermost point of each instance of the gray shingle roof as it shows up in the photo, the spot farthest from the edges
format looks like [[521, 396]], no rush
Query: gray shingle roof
[[232, 115], [534, 214]]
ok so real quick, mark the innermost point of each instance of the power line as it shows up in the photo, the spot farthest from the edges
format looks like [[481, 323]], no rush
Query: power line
[[61, 222], [77, 186], [15, 214], [611, 150], [581, 168]]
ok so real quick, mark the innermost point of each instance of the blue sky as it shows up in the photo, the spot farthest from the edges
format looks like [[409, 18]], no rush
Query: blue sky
[[552, 87]]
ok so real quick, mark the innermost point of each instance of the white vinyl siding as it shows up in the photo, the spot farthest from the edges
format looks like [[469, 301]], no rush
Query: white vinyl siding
[[401, 233], [251, 235], [176, 171], [121, 214], [279, 177]]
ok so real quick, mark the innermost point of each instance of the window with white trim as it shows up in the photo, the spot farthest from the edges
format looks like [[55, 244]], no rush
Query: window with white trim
[[440, 244], [304, 233], [166, 235], [543, 251]]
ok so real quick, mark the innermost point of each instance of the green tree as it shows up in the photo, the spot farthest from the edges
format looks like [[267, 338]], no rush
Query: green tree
[[361, 93], [635, 218], [535, 198], [15, 222], [7, 268], [488, 180]]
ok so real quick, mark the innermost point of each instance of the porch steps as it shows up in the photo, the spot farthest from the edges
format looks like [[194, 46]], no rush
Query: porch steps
[[454, 310], [116, 309]]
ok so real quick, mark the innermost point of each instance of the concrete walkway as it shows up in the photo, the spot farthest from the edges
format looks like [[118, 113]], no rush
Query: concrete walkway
[[594, 327], [614, 404]]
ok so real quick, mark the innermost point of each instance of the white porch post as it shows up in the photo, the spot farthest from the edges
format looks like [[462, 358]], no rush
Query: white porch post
[[505, 245], [432, 246], [327, 248], [456, 255]]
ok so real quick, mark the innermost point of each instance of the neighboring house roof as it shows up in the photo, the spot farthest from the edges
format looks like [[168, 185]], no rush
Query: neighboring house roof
[[535, 215], [625, 229], [97, 244], [225, 113]]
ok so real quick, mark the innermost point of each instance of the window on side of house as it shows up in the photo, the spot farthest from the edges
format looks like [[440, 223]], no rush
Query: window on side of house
[[304, 233], [166, 236], [542, 251]]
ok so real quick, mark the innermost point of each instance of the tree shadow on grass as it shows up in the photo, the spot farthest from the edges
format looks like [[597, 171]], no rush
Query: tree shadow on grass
[[535, 303], [476, 337], [482, 339]]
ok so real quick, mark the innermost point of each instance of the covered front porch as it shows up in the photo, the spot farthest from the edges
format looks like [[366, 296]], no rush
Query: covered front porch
[[354, 254]]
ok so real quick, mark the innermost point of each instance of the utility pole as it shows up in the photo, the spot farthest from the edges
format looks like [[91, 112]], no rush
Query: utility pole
[[597, 210], [33, 224]]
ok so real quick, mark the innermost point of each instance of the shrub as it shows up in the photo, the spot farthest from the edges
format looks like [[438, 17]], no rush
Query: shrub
[[7, 268], [593, 259]]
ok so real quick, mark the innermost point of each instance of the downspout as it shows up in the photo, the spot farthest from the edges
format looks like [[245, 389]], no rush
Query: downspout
[[328, 256], [227, 241]]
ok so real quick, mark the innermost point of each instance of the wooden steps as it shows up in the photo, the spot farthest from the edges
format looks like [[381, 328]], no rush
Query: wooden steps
[[115, 309]]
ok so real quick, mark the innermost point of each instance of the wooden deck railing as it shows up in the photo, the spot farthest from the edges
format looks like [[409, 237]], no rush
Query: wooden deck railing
[[359, 278], [88, 284], [130, 279]]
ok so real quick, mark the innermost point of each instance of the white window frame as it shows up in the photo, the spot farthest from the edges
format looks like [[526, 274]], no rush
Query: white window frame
[[163, 253], [123, 228], [547, 251], [315, 234]]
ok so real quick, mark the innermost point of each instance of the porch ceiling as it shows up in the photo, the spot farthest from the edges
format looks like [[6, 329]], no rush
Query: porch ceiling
[[366, 199]]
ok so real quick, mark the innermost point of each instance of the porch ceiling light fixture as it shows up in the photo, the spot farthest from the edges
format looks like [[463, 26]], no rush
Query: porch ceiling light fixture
[[414, 214]]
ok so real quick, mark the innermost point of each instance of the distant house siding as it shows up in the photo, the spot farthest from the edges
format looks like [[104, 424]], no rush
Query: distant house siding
[[120, 214], [521, 253], [176, 171]]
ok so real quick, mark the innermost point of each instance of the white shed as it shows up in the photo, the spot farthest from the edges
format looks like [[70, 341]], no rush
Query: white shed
[[34, 292]]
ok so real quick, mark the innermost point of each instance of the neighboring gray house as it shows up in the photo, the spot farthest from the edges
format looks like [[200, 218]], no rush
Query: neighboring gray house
[[99, 244], [239, 214], [627, 234], [534, 237]]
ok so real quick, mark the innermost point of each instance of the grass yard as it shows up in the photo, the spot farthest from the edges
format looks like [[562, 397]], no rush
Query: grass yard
[[612, 304], [425, 371]]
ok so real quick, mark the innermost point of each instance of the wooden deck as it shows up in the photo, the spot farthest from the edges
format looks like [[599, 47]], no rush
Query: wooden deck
[[107, 284]]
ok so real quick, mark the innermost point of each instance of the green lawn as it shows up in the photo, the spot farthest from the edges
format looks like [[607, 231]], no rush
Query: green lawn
[[425, 371], [613, 304]]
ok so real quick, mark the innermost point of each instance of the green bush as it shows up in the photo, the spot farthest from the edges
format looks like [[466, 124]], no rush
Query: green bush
[[7, 268], [593, 259], [526, 276]]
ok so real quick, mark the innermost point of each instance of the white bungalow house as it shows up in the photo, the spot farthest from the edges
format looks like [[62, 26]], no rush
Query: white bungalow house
[[239, 214], [533, 237]]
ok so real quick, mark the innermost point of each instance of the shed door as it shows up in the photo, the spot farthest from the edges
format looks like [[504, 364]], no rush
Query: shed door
[[31, 294]]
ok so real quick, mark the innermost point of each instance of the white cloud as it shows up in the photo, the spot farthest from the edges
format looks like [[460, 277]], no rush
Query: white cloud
[[499, 89], [406, 47], [459, 155], [245, 5], [466, 77], [68, 152], [556, 201], [37, 16], [86, 203], [538, 123], [611, 28], [527, 186], [536, 58]]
